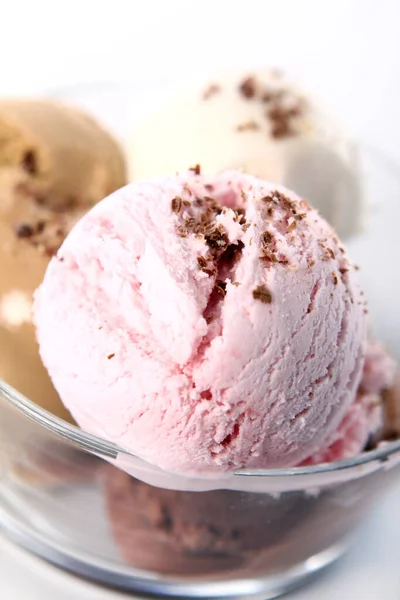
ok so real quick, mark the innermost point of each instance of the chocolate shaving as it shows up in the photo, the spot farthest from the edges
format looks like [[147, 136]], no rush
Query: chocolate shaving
[[249, 126], [111, 356], [176, 204], [262, 293], [190, 222], [335, 278], [202, 262], [220, 288], [182, 232], [209, 319], [248, 88], [196, 169], [217, 238], [266, 237], [29, 162], [268, 257], [281, 118], [24, 230]]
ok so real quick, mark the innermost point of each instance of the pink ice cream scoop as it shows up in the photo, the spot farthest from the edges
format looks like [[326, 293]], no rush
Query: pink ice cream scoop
[[205, 324], [365, 416]]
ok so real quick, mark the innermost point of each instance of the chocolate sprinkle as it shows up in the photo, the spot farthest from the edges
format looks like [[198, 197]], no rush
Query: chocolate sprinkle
[[182, 232], [29, 162], [266, 237], [220, 288], [249, 126], [248, 88], [217, 238], [24, 230], [202, 262], [196, 169], [111, 356], [176, 204], [262, 293]]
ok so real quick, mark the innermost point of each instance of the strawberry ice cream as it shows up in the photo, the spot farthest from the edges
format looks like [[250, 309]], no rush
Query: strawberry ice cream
[[205, 324]]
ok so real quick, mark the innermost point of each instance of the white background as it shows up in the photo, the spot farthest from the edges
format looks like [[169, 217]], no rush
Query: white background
[[347, 51]]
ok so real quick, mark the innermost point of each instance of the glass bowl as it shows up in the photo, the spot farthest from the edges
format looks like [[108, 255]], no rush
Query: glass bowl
[[89, 506]]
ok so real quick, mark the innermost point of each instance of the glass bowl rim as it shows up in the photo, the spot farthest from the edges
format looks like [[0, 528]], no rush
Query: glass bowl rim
[[107, 450]]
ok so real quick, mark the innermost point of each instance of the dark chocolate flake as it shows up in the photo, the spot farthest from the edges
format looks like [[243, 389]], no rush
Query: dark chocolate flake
[[202, 262], [248, 126], [29, 162], [176, 204], [220, 288], [210, 272], [190, 222], [262, 293], [111, 356], [196, 169], [335, 278], [216, 238], [248, 88], [182, 232], [266, 237], [24, 230]]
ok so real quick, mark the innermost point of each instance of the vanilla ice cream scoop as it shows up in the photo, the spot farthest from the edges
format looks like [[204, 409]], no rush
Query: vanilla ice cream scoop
[[260, 123], [204, 323]]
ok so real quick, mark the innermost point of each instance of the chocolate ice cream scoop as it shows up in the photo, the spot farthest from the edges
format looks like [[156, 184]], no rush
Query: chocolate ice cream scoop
[[55, 163]]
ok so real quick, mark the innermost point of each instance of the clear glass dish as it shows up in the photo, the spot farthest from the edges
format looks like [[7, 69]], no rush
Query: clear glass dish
[[250, 534]]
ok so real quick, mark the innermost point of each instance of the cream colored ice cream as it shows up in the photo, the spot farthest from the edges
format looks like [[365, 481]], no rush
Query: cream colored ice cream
[[55, 163], [262, 124]]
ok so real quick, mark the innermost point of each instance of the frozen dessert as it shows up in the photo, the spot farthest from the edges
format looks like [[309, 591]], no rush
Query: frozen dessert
[[55, 163], [374, 415], [261, 123], [205, 324], [172, 531], [175, 532]]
